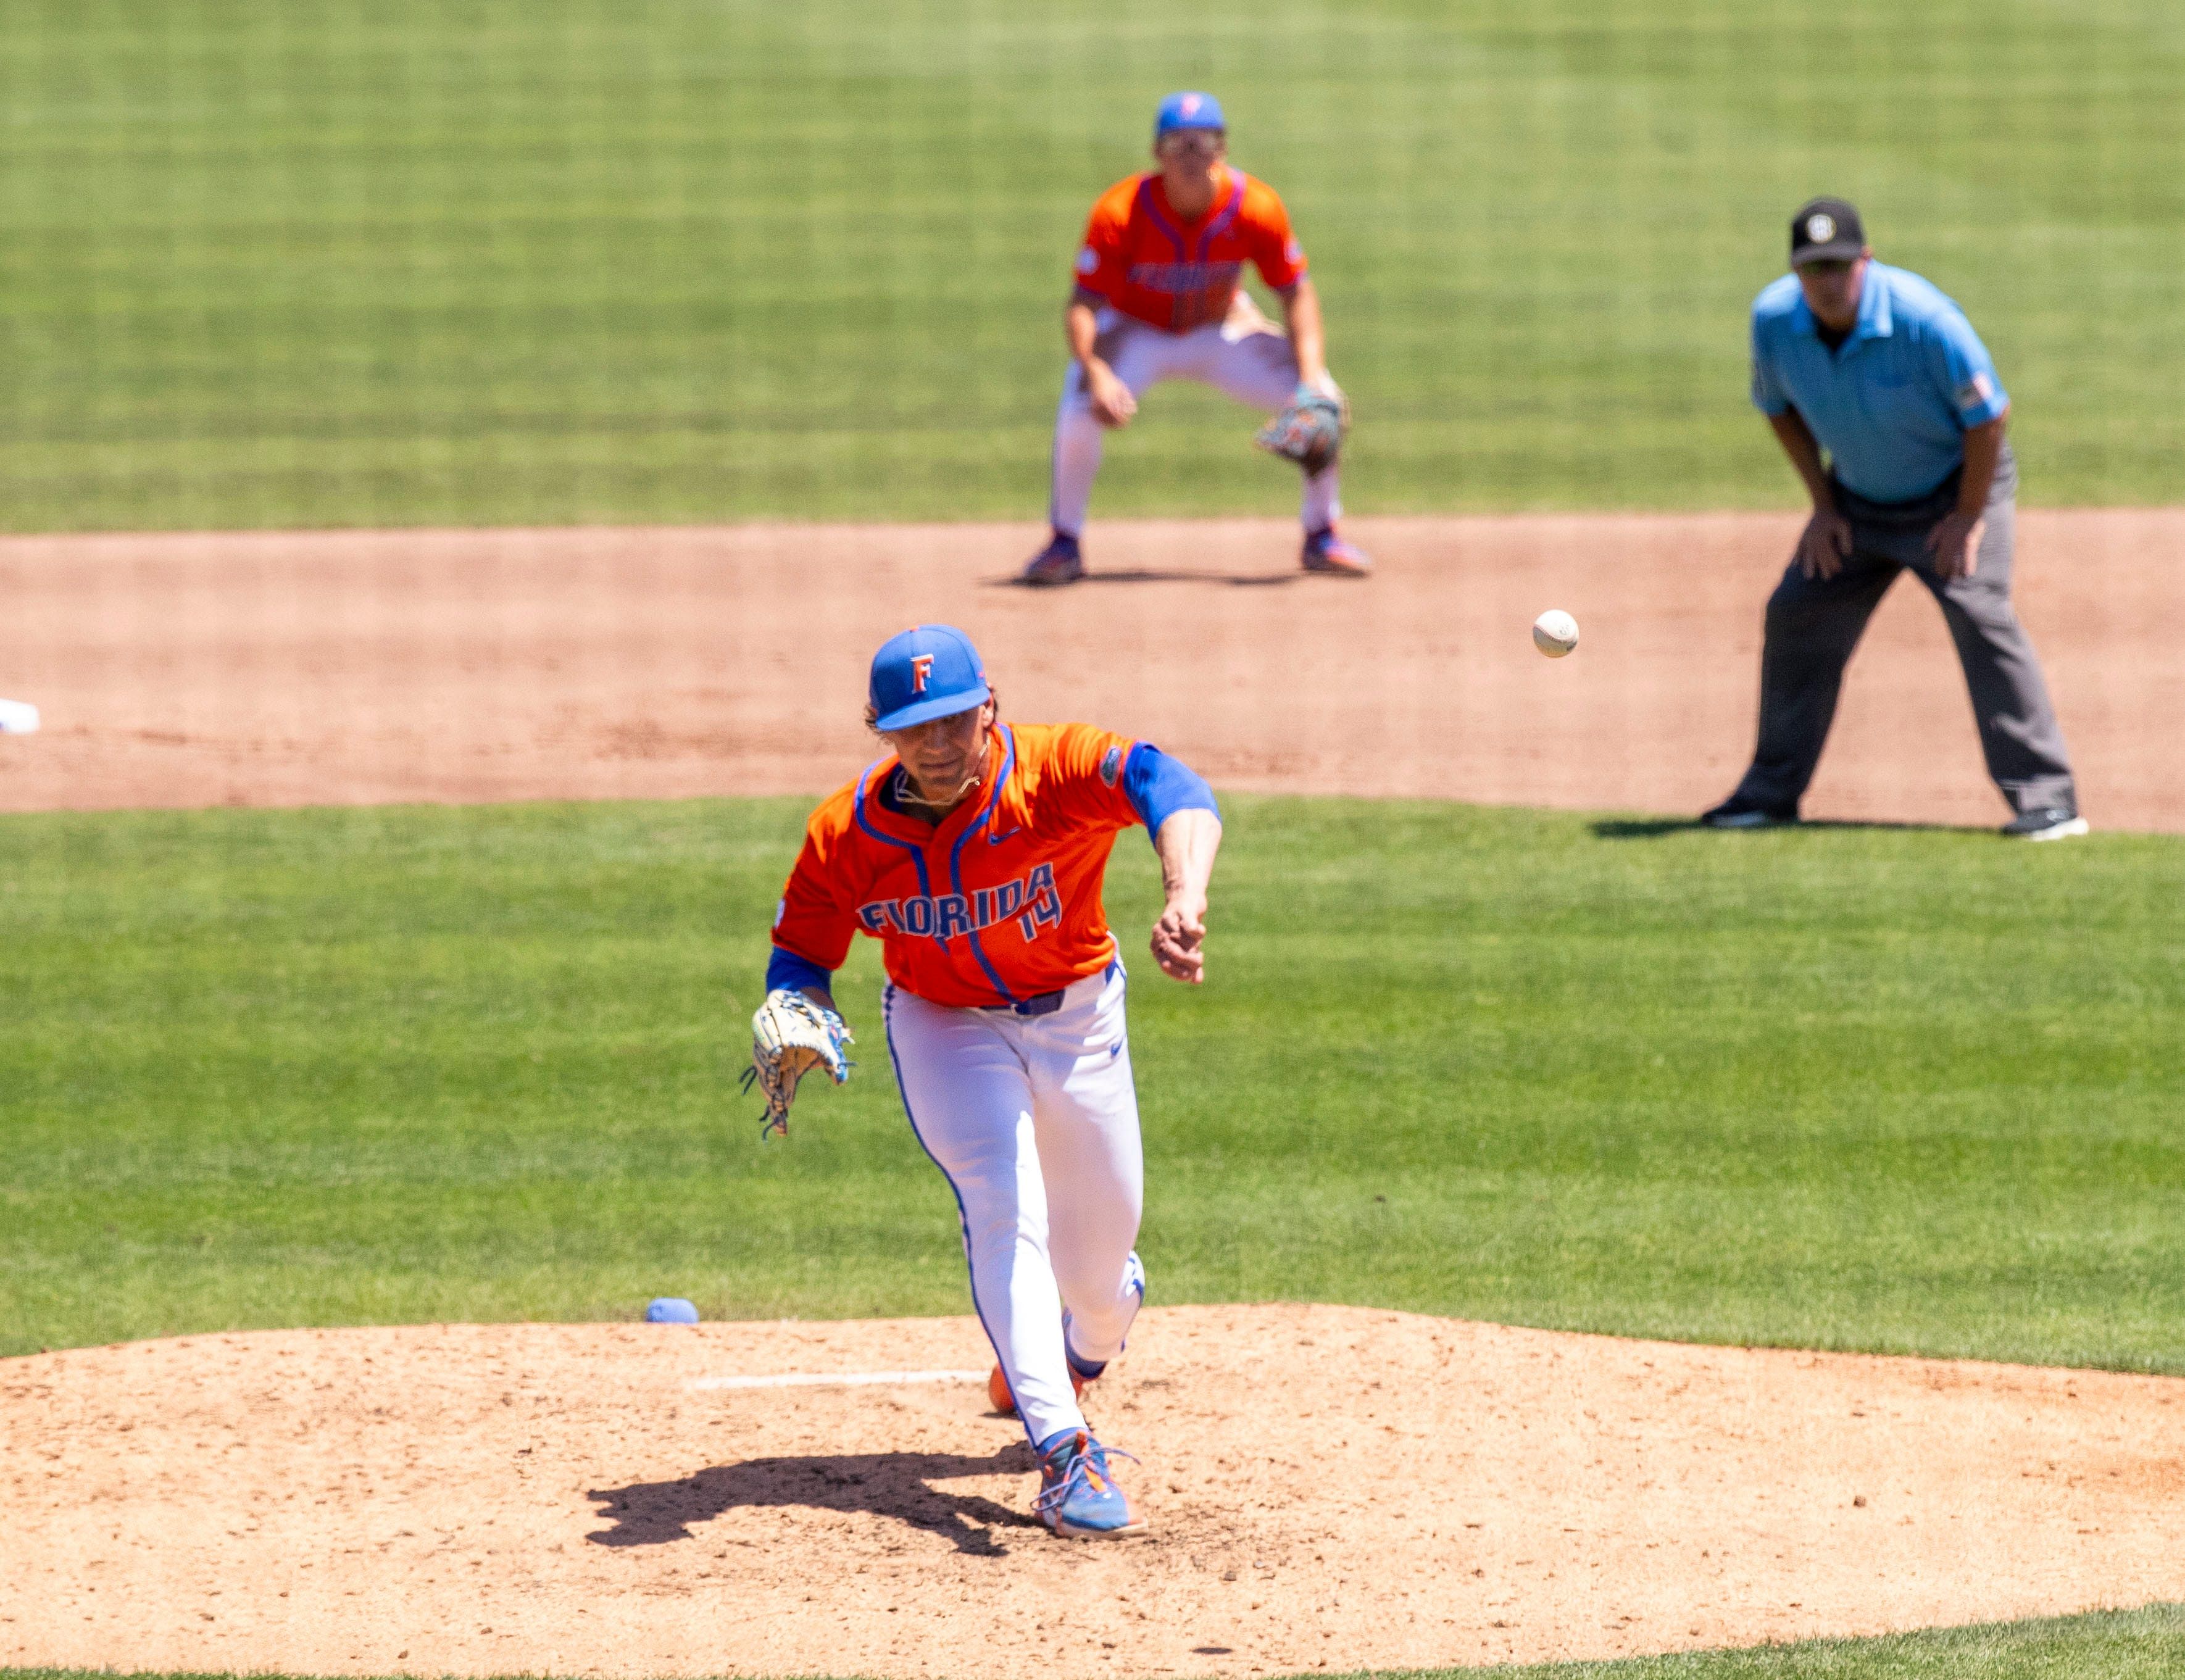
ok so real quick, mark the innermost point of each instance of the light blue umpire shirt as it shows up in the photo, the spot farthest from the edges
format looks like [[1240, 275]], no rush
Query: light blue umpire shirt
[[1892, 405]]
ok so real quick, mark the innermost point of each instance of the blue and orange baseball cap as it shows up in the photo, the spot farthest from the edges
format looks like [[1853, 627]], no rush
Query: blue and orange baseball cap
[[1189, 110], [929, 671]]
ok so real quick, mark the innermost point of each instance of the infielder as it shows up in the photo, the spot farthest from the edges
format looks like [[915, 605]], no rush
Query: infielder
[[975, 852], [1157, 299], [1879, 368]]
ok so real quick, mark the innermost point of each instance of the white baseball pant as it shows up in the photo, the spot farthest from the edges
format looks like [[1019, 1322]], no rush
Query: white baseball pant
[[1034, 1122], [1246, 357]]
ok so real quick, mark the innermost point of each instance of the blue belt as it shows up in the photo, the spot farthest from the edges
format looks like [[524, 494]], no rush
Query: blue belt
[[1043, 1003]]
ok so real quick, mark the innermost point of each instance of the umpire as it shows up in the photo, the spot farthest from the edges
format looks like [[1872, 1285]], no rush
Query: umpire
[[1878, 367]]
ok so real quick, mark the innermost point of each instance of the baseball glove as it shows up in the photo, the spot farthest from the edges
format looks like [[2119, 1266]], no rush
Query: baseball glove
[[1310, 430], [792, 1035]]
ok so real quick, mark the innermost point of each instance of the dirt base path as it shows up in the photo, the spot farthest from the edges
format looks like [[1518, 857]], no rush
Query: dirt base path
[[364, 667], [1329, 1488]]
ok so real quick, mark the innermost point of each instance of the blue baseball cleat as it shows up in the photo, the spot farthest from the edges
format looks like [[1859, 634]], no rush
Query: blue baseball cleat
[[1078, 1498], [1061, 561], [1326, 552]]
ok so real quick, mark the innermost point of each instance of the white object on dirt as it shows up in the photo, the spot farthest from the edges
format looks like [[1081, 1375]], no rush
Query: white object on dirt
[[1555, 633], [18, 717]]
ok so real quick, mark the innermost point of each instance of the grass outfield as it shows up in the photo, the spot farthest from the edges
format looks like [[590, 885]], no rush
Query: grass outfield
[[2143, 1644], [2147, 1644], [1885, 1089], [288, 263]]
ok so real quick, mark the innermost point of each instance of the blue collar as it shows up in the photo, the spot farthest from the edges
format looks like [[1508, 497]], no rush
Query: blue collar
[[1877, 319]]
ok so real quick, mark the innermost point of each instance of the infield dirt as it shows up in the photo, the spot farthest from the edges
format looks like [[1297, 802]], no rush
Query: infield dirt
[[279, 668], [1328, 1487]]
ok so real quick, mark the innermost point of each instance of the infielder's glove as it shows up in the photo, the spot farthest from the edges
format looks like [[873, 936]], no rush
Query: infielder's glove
[[1310, 430], [792, 1035]]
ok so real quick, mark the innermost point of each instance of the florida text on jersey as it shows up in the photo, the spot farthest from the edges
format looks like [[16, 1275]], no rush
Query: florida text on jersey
[[998, 903], [1178, 275]]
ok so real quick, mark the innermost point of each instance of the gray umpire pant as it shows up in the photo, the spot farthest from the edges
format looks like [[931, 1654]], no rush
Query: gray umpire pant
[[1813, 623]]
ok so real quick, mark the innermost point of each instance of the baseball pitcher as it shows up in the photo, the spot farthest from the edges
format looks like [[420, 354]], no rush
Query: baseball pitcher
[[975, 852]]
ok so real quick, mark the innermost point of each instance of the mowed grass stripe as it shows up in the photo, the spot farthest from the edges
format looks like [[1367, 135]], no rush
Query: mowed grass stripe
[[290, 263], [1905, 1090], [2140, 1645]]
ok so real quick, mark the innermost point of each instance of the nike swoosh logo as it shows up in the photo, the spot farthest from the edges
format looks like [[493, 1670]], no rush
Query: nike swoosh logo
[[996, 840]]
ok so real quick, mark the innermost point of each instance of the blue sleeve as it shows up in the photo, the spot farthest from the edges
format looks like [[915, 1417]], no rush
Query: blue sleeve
[[1158, 786], [1768, 395], [1960, 365], [788, 971]]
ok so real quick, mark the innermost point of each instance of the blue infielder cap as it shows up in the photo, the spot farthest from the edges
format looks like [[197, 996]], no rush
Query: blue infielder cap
[[931, 670], [1189, 110]]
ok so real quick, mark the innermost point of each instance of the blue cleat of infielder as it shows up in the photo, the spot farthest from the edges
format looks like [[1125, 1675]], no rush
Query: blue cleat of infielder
[[1061, 561], [1078, 1498], [1326, 552]]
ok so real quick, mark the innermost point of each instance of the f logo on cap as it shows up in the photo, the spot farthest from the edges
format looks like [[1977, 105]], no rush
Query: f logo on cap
[[921, 667], [1821, 228]]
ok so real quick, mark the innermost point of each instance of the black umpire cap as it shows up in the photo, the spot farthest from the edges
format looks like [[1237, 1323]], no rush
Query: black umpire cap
[[1825, 230]]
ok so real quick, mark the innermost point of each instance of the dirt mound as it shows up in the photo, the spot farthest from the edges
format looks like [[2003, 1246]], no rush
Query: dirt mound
[[353, 667], [1329, 1486]]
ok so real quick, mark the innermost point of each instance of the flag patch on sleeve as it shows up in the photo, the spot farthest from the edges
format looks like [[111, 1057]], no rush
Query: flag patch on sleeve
[[1111, 765], [1977, 393]]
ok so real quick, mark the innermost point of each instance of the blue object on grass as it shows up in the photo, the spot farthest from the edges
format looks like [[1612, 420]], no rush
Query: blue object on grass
[[671, 1310]]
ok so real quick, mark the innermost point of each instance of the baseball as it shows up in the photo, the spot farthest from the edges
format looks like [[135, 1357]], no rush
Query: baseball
[[1555, 633]]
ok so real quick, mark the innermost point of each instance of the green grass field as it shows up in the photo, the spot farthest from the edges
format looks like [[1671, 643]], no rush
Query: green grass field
[[1895, 1090], [2146, 1644], [285, 262]]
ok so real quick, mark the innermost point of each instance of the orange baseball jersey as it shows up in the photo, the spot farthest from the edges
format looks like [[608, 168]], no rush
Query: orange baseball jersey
[[1178, 275], [1002, 901]]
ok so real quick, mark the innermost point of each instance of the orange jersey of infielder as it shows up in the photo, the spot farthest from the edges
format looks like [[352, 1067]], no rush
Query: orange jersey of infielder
[[1153, 266], [1157, 298], [974, 853]]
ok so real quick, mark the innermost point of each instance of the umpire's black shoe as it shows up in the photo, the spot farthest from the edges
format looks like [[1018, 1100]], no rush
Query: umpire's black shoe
[[2047, 821], [1738, 812]]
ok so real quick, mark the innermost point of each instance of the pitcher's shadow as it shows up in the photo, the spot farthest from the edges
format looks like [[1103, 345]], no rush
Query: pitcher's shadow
[[899, 1484]]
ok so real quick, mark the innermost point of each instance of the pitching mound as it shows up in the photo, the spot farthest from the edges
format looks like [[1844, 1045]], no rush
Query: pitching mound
[[1326, 1486], [353, 667]]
